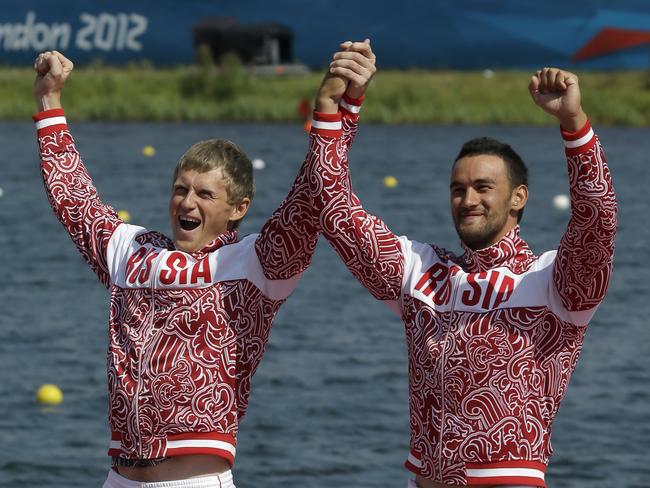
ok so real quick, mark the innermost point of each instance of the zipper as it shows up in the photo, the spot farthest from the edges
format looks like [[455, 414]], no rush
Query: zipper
[[152, 277], [455, 285]]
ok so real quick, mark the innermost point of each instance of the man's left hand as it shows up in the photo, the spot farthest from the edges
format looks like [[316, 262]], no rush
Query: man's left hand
[[558, 93], [356, 63]]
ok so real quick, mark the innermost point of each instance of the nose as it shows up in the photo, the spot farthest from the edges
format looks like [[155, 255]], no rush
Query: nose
[[188, 202], [470, 198]]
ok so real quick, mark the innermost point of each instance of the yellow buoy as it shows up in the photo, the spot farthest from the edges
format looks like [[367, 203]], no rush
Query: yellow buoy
[[390, 182], [148, 151], [124, 215], [49, 394]]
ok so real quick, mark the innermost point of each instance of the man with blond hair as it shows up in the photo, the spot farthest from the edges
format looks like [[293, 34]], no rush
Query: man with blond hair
[[189, 316]]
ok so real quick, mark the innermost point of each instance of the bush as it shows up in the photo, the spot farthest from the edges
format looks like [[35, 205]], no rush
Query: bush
[[233, 77], [225, 82]]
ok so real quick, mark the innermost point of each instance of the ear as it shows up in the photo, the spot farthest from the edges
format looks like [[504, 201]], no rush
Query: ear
[[240, 210], [519, 198]]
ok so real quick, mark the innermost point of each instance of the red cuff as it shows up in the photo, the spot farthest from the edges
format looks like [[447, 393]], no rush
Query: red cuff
[[572, 136], [50, 121], [328, 125], [53, 112], [351, 106], [579, 141], [354, 101]]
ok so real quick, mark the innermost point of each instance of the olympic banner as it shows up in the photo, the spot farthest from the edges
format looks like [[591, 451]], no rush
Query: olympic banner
[[465, 34]]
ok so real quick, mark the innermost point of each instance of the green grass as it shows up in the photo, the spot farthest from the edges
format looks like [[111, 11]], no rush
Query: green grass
[[400, 97]]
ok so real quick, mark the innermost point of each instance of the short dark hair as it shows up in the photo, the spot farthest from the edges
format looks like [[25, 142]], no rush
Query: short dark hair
[[517, 170], [237, 169]]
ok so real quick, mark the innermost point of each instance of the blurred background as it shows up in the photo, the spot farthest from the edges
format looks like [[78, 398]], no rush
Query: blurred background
[[253, 60], [329, 401]]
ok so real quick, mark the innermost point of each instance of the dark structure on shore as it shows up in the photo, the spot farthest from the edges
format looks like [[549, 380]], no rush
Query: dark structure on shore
[[266, 43]]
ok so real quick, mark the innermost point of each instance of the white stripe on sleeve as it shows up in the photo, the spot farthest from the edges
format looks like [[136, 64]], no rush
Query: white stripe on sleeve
[[349, 107], [41, 124], [319, 124], [580, 142]]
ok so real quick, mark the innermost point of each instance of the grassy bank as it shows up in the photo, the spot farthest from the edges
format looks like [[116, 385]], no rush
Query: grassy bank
[[441, 97]]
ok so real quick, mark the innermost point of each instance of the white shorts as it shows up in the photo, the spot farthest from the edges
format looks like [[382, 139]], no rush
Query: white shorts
[[223, 480]]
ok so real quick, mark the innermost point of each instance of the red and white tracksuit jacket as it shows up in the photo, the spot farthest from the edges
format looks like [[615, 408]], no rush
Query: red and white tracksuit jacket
[[186, 331], [493, 335]]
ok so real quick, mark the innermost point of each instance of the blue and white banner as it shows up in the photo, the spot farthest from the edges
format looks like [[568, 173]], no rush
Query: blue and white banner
[[465, 34]]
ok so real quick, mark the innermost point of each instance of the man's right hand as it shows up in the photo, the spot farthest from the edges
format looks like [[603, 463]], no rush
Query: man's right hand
[[356, 63], [52, 70]]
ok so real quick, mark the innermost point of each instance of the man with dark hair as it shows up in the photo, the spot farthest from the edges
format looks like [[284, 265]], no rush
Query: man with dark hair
[[506, 163], [515, 166], [189, 316], [493, 335]]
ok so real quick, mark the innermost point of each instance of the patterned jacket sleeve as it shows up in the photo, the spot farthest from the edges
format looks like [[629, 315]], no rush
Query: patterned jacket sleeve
[[365, 244], [287, 240], [350, 108], [585, 256], [71, 193]]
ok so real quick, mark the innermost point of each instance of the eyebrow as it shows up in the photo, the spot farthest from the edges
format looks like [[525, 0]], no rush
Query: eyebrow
[[480, 181], [483, 181]]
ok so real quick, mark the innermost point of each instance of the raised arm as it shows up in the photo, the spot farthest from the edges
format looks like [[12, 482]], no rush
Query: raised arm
[[367, 247], [69, 188], [585, 256], [287, 240]]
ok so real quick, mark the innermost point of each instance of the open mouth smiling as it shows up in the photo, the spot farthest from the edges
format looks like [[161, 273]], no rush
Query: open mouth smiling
[[188, 223]]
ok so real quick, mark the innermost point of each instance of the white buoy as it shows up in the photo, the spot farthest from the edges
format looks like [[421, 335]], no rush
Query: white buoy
[[258, 163], [561, 202], [2, 192], [488, 74]]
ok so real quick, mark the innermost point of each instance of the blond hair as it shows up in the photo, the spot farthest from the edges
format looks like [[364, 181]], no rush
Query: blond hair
[[237, 169]]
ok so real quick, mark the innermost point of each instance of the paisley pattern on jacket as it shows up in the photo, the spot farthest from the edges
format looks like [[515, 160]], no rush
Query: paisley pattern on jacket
[[493, 335], [186, 330]]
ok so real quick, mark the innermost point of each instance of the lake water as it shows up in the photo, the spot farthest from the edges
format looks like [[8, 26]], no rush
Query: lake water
[[329, 401]]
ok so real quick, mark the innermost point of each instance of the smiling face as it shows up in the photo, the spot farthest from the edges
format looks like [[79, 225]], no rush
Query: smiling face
[[200, 210], [484, 203]]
